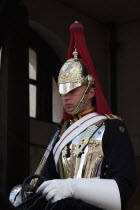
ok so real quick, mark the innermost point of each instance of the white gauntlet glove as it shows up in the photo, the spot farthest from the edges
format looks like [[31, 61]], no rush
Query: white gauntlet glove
[[56, 189], [102, 193]]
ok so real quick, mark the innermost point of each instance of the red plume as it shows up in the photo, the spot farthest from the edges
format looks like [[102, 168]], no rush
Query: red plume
[[77, 39]]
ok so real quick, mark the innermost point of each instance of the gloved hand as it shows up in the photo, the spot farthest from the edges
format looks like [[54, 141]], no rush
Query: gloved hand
[[102, 193], [56, 189]]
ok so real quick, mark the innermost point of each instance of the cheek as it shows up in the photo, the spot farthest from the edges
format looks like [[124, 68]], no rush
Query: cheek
[[78, 98]]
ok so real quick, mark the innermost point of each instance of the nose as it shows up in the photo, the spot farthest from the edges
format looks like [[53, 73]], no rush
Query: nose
[[65, 96]]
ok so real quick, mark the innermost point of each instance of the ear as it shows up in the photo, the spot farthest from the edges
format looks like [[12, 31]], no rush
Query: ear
[[92, 92]]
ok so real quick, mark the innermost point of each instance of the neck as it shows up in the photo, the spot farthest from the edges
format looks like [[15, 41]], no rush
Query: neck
[[82, 114]]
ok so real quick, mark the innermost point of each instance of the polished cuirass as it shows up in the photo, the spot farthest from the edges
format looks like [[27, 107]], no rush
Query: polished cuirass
[[82, 157]]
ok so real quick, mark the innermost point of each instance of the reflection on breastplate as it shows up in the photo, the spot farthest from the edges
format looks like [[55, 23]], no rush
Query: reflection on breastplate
[[82, 157]]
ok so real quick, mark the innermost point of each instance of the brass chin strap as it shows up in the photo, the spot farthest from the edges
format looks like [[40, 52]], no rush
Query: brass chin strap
[[83, 99]]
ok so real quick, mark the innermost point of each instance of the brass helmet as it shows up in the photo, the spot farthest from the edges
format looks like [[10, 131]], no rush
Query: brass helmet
[[74, 74]]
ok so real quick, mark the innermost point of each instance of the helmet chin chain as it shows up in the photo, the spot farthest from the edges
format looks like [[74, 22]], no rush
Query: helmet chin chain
[[82, 101]]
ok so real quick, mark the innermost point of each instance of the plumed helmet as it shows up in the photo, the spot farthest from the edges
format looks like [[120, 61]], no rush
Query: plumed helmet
[[73, 74]]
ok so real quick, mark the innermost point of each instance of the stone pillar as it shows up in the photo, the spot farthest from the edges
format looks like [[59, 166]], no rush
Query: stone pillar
[[14, 99]]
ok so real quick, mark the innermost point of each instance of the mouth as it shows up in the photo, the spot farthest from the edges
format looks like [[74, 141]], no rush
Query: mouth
[[68, 106]]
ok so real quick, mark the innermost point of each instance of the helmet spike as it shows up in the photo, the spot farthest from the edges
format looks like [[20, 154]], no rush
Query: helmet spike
[[75, 53]]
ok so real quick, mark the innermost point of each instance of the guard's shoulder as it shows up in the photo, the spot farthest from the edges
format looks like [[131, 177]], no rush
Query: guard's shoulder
[[114, 122], [113, 117]]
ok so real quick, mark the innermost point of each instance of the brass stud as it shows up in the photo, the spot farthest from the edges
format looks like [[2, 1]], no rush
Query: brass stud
[[122, 130], [100, 156]]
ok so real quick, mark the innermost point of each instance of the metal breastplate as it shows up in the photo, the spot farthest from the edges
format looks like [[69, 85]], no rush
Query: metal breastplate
[[86, 164]]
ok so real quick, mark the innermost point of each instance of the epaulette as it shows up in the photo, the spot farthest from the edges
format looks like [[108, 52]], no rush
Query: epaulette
[[112, 116]]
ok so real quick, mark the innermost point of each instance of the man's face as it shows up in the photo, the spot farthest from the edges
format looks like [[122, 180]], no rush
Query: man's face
[[72, 99]]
